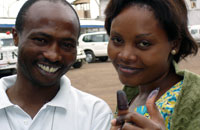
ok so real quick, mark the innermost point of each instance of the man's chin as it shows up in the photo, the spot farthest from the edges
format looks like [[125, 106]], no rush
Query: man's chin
[[46, 83]]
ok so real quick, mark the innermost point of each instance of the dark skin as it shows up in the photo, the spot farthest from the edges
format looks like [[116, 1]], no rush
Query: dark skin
[[46, 51], [141, 53], [133, 121], [164, 86]]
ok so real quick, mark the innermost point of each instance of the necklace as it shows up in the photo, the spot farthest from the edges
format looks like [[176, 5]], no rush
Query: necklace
[[9, 121]]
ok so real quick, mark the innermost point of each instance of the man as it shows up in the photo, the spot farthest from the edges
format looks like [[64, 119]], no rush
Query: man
[[40, 97]]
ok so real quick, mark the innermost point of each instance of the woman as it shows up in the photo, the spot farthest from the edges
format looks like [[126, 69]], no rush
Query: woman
[[147, 40]]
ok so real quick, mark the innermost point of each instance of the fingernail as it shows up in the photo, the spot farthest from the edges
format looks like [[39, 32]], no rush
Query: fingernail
[[122, 102], [113, 121], [158, 88], [120, 120], [153, 93]]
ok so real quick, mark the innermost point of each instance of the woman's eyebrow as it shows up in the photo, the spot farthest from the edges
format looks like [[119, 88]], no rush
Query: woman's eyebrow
[[143, 35]]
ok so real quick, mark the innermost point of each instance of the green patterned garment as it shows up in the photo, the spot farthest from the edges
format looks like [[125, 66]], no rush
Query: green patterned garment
[[186, 112], [165, 104]]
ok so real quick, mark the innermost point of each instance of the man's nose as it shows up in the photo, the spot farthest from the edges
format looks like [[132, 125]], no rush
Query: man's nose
[[53, 53]]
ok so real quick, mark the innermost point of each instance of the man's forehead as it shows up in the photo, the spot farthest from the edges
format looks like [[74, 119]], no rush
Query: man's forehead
[[48, 9], [54, 15]]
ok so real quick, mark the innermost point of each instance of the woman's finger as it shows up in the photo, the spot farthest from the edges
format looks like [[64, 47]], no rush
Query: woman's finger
[[138, 120], [114, 125], [154, 113], [129, 126], [122, 103]]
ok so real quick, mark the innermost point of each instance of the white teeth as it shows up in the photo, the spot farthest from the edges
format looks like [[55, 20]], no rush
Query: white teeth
[[48, 69]]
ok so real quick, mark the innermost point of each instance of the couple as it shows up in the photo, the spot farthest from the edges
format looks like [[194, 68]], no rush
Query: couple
[[147, 40]]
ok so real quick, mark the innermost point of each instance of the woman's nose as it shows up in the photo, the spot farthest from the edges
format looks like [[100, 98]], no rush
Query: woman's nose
[[128, 54]]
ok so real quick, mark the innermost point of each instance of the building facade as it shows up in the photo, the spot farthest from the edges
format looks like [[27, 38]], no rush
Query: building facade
[[193, 11]]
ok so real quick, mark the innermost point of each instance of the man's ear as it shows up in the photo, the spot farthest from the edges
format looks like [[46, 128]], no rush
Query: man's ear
[[15, 36]]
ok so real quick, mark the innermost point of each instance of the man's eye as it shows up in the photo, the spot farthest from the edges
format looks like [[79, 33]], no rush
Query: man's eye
[[41, 41], [68, 45]]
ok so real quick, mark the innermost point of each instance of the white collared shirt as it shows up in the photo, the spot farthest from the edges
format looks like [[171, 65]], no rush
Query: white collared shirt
[[74, 110]]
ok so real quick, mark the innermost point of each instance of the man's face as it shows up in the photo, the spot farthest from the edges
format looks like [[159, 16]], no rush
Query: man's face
[[47, 44]]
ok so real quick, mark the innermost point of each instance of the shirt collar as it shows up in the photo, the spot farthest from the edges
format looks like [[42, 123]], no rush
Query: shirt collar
[[60, 100], [62, 97], [5, 83]]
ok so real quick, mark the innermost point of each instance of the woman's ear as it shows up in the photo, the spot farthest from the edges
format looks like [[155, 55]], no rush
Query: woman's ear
[[15, 36], [176, 45]]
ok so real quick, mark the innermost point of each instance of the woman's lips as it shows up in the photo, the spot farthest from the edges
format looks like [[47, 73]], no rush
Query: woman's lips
[[129, 70]]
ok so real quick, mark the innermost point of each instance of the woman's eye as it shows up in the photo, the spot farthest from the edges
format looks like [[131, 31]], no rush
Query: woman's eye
[[144, 44], [117, 40]]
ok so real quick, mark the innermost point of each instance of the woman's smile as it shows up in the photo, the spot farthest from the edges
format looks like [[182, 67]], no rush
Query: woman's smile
[[128, 70]]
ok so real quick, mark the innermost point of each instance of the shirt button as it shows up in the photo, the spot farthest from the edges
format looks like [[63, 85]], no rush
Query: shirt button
[[25, 122]]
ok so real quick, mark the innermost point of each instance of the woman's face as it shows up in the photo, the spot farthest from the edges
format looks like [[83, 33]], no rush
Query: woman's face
[[138, 47]]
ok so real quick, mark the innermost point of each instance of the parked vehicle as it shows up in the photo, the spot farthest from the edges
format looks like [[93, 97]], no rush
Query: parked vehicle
[[8, 54], [80, 58], [195, 32], [94, 45]]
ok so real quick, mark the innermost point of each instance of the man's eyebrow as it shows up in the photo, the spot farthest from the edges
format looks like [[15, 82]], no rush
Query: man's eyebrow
[[69, 39], [41, 34], [49, 36]]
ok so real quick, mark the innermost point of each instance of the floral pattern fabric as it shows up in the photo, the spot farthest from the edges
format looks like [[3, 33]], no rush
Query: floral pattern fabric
[[165, 104]]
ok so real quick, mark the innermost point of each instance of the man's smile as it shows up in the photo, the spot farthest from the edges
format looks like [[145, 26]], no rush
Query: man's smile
[[49, 69]]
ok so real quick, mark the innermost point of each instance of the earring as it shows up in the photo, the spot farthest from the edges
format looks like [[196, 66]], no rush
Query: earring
[[173, 52]]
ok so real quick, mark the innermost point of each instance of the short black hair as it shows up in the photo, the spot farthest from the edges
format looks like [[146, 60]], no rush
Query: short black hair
[[171, 15], [20, 20]]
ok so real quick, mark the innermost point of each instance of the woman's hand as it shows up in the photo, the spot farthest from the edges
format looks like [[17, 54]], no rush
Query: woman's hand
[[134, 121]]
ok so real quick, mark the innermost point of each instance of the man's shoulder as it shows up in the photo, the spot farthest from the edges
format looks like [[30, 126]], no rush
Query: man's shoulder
[[7, 81], [89, 109], [94, 104], [84, 98], [79, 94]]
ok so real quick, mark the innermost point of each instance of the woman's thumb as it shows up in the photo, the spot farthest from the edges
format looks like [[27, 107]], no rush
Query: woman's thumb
[[122, 107], [122, 103], [152, 108]]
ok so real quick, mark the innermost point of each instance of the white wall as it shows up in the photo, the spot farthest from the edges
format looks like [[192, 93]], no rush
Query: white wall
[[10, 8], [103, 7], [94, 9], [193, 13]]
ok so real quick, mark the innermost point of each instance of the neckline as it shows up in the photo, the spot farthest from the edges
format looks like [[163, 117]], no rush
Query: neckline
[[10, 123]]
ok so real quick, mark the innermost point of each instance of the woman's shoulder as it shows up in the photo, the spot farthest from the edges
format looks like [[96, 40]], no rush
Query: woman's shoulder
[[191, 79], [186, 111]]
